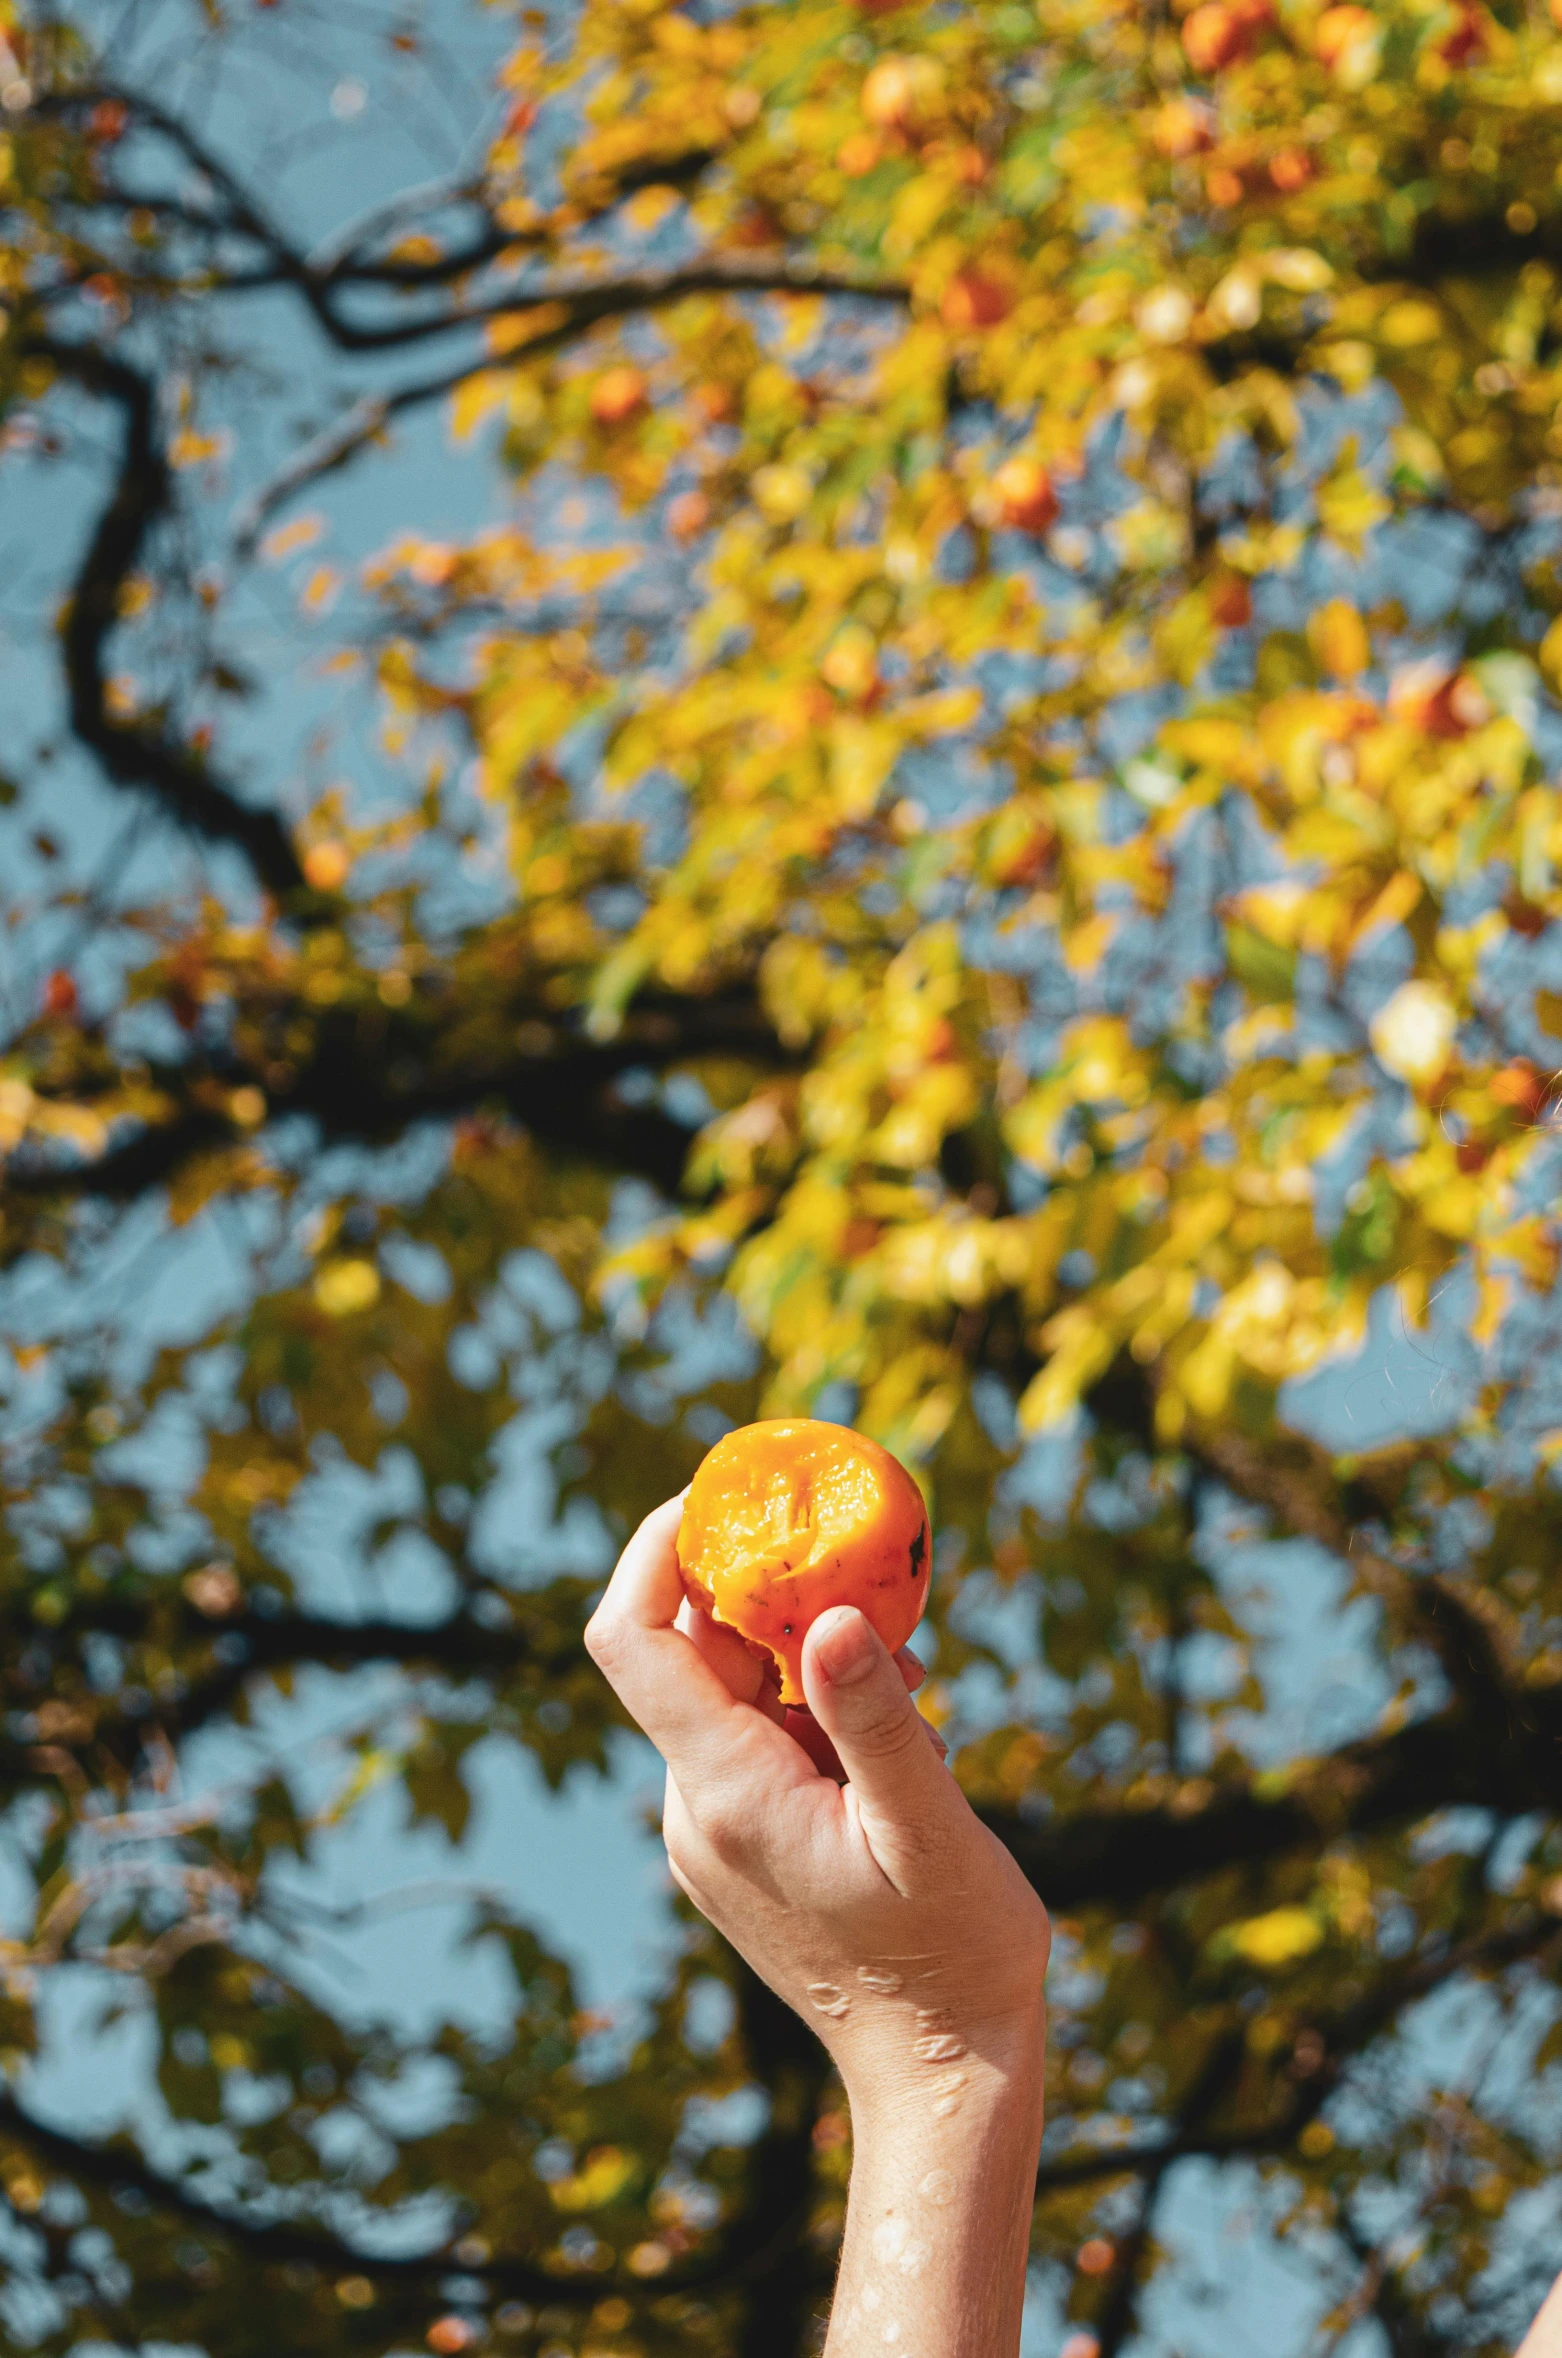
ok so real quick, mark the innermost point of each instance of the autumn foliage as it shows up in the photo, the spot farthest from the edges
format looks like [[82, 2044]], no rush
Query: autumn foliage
[[974, 849]]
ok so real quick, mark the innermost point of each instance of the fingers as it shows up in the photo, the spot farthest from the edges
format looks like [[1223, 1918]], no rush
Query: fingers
[[661, 1676], [911, 1670], [738, 1667], [805, 1730], [857, 1692]]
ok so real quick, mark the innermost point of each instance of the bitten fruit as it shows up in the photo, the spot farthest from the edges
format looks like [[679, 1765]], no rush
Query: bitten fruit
[[786, 1519]]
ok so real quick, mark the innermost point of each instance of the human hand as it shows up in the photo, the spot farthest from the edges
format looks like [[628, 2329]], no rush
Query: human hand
[[881, 1909], [1544, 2338]]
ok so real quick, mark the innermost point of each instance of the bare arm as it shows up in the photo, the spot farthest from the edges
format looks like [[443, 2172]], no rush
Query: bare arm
[[888, 1917], [1544, 2338], [938, 2221]]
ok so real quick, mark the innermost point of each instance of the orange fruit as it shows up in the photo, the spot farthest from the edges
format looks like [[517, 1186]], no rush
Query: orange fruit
[[1182, 128], [786, 1519], [1290, 169], [618, 395], [1231, 601], [1341, 30], [1025, 495], [1213, 37], [973, 300], [688, 515]]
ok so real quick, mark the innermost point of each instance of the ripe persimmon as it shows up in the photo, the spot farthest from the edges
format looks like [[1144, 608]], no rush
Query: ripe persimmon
[[785, 1519]]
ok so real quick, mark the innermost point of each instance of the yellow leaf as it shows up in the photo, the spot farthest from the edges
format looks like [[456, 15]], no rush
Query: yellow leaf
[[1349, 505], [1282, 1937], [475, 399], [511, 332], [303, 531], [605, 2172], [345, 1287], [190, 449]]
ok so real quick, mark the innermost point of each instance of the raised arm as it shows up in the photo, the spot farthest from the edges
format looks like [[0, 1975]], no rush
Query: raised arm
[[887, 1916], [1544, 2338]]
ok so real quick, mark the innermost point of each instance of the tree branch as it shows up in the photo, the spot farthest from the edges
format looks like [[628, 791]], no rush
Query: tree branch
[[1120, 1857], [359, 425], [1210, 2086], [367, 1085], [134, 753], [588, 301], [757, 2251], [1345, 2039], [115, 2167]]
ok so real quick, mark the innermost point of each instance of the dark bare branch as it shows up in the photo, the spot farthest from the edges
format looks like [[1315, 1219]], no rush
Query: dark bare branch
[[1118, 1857], [369, 1086], [587, 301], [1345, 2037], [136, 753]]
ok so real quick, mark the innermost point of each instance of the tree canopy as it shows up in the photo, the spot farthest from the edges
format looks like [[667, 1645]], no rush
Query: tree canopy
[[977, 852]]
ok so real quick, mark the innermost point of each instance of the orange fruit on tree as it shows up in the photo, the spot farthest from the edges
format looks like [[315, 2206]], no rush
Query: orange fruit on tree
[[1212, 37], [1222, 31], [1026, 499], [901, 91], [1343, 32], [59, 993], [618, 395], [974, 300], [1231, 601], [688, 515], [1182, 127], [1469, 40], [787, 1518]]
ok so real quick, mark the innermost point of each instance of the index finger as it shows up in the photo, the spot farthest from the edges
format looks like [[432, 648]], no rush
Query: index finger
[[659, 1674]]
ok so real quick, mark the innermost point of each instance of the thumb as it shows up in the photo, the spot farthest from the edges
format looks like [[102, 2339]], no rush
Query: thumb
[[858, 1695]]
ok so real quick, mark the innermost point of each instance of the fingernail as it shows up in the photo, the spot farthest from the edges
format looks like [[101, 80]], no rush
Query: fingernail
[[843, 1646]]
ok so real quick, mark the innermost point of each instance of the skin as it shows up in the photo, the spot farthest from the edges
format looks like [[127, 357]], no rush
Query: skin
[[836, 1853], [855, 1879], [1544, 2338]]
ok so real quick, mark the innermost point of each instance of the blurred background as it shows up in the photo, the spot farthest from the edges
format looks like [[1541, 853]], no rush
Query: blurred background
[[821, 708]]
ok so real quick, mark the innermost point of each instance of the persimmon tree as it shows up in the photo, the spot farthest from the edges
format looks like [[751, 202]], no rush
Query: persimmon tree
[[1011, 690]]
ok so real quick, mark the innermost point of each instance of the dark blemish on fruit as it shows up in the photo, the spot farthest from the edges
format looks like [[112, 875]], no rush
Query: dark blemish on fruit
[[786, 1629], [919, 1549]]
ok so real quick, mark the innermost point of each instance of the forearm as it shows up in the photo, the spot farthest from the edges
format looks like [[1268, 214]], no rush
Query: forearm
[[938, 2218], [1544, 2338]]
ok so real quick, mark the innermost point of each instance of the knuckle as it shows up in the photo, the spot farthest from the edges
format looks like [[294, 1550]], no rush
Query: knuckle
[[604, 1640], [887, 1733], [721, 1828], [681, 1866]]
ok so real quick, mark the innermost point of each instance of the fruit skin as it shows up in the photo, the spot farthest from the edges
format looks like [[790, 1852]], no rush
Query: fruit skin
[[787, 1518]]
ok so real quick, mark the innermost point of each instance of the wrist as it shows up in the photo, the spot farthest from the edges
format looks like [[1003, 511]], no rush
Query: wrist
[[984, 2081]]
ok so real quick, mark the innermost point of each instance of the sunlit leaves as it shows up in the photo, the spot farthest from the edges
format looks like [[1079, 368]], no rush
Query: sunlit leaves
[[1010, 693]]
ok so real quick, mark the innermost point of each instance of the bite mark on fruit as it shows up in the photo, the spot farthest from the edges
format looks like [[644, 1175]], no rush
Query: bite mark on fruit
[[795, 1517]]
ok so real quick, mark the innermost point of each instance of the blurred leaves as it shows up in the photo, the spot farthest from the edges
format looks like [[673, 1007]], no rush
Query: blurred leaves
[[1008, 723]]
